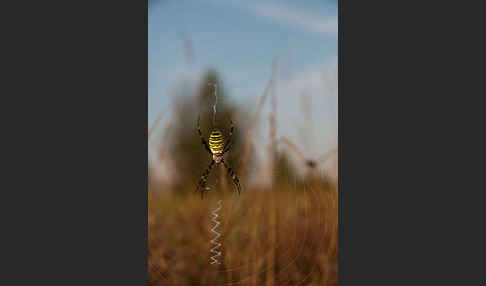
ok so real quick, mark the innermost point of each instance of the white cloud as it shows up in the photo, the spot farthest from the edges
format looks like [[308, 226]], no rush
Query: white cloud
[[304, 20]]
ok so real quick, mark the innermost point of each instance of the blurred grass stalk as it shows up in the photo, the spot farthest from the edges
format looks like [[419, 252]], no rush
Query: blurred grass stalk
[[252, 121]]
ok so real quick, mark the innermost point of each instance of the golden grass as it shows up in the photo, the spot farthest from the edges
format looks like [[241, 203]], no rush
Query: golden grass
[[276, 237]]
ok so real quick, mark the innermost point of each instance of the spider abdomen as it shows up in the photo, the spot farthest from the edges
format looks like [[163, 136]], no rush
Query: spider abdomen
[[216, 143]]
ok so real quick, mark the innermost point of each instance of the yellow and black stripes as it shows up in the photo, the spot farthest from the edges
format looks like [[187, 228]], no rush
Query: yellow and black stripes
[[216, 142], [217, 148]]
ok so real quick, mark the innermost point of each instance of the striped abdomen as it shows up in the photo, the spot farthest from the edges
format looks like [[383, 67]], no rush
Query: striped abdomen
[[216, 142]]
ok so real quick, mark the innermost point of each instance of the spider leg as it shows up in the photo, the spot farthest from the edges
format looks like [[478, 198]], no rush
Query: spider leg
[[233, 176], [294, 148], [202, 138], [204, 177], [229, 143]]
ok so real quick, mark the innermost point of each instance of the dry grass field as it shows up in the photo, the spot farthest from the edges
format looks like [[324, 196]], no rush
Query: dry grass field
[[282, 236]]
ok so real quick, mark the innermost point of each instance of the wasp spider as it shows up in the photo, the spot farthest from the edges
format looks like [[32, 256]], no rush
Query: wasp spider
[[217, 149]]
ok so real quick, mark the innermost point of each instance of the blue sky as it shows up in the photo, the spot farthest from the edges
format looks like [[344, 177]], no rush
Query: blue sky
[[240, 39]]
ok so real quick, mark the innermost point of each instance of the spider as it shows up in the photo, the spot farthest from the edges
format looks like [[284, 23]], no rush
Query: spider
[[217, 149], [310, 163]]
